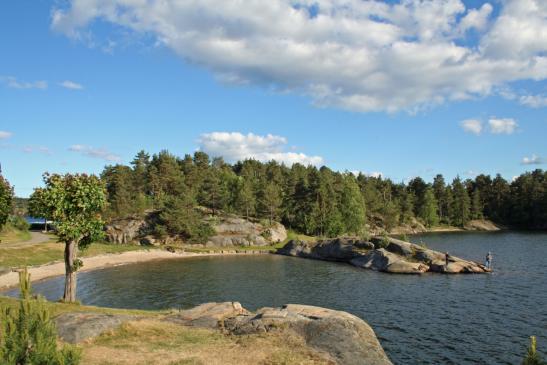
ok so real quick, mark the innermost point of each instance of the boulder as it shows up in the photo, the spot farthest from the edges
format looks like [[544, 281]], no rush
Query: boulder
[[80, 326], [207, 315], [126, 230], [345, 337], [277, 233]]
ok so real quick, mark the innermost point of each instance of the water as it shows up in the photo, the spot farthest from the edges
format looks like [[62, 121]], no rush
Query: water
[[428, 319]]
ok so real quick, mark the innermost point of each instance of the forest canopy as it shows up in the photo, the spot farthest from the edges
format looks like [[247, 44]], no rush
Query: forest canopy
[[316, 201]]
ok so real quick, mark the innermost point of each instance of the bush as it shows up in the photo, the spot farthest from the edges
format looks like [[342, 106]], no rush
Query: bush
[[532, 357], [19, 223], [28, 335]]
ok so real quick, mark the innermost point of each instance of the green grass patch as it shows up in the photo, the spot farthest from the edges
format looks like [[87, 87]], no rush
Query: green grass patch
[[57, 308], [44, 253], [292, 235], [12, 235]]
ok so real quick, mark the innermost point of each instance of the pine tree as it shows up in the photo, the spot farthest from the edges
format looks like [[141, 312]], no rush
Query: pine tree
[[461, 203], [532, 356], [352, 206], [428, 210], [28, 335]]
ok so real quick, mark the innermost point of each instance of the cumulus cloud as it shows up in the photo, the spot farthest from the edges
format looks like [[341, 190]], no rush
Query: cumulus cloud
[[100, 153], [533, 160], [502, 125], [235, 146], [472, 126], [71, 85], [360, 55], [5, 135], [14, 83]]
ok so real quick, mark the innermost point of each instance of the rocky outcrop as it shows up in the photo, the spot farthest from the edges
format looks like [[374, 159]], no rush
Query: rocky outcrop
[[126, 230], [346, 338], [383, 254], [339, 336], [235, 231], [229, 231], [481, 225], [77, 327], [207, 315]]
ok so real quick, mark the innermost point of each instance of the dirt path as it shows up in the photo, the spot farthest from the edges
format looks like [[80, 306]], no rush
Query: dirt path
[[36, 237]]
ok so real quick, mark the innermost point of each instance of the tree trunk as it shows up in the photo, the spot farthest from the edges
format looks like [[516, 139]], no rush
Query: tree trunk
[[45, 225], [70, 276]]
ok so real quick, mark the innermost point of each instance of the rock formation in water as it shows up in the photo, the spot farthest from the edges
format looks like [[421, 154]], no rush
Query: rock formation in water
[[229, 231], [382, 254], [341, 337]]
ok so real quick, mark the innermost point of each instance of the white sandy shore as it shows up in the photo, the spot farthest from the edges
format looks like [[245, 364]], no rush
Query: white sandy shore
[[11, 279]]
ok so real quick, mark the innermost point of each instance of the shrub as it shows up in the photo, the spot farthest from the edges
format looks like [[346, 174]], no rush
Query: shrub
[[28, 335], [532, 357], [19, 223]]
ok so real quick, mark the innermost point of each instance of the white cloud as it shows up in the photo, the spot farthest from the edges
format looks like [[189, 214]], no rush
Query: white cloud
[[5, 135], [472, 126], [533, 101], [235, 146], [100, 153], [533, 160], [359, 55], [375, 174], [39, 149], [67, 84], [12, 82], [502, 125]]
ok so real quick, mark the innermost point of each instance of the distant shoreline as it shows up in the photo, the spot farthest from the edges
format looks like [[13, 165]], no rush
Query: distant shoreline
[[54, 269]]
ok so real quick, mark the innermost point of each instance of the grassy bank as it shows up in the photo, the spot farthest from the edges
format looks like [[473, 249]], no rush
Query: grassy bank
[[151, 340], [12, 235], [43, 253]]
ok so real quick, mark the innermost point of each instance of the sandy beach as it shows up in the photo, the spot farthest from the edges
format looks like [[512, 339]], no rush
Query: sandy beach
[[11, 279]]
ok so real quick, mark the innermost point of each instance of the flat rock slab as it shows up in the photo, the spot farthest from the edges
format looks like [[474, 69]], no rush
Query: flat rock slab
[[77, 327], [207, 315]]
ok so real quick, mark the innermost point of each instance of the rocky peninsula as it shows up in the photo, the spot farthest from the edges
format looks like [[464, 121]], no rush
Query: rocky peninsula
[[383, 254]]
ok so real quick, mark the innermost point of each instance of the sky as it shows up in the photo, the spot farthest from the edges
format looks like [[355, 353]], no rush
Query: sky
[[398, 88]]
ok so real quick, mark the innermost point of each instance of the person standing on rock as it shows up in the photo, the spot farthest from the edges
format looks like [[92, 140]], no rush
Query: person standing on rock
[[446, 258], [488, 261]]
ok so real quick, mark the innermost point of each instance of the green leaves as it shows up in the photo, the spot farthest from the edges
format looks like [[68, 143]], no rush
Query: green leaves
[[74, 203], [6, 199]]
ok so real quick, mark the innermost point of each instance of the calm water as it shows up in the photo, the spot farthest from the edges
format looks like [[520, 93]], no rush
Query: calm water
[[429, 319]]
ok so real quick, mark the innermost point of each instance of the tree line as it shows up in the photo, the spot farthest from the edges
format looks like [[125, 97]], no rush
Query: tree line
[[311, 200]]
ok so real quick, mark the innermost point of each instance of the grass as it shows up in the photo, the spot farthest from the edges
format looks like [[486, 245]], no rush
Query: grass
[[12, 235], [43, 253], [152, 340]]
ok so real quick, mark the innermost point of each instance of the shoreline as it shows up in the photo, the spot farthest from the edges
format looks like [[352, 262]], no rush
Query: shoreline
[[57, 268]]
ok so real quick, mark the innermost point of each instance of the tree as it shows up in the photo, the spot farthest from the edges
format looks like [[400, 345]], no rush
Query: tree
[[28, 335], [461, 203], [6, 200], [271, 200], [439, 189], [36, 206], [74, 203], [428, 210], [352, 206], [244, 197]]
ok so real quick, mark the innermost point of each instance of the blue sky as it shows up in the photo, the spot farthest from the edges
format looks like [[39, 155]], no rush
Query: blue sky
[[83, 84]]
